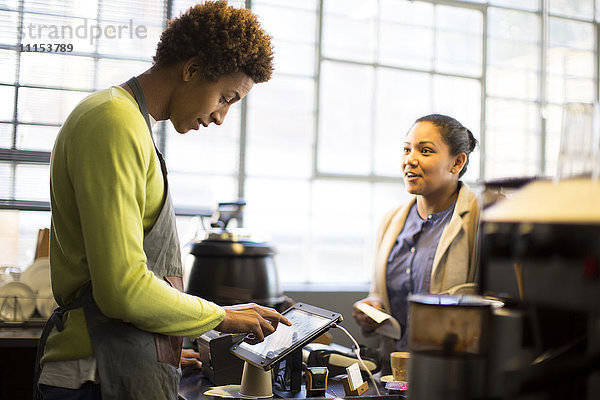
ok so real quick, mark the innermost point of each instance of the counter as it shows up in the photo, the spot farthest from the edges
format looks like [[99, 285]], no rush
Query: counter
[[18, 347], [193, 386]]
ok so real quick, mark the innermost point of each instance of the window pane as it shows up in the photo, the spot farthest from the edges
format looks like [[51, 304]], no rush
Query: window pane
[[8, 66], [553, 131], [195, 190], [279, 158], [18, 236], [571, 62], [338, 243], [37, 138], [349, 29], [6, 181], [400, 20], [8, 27], [572, 8], [345, 126], [512, 139], [458, 40], [211, 150], [459, 98], [6, 134], [130, 29], [512, 84], [57, 70], [570, 34], [114, 72], [10, 4], [532, 5], [32, 182], [311, 5], [56, 29], [294, 58], [402, 97], [287, 23], [276, 147], [71, 8], [385, 197], [181, 6], [513, 25], [564, 90], [280, 209], [47, 106], [513, 54], [284, 93], [7, 101], [30, 222]]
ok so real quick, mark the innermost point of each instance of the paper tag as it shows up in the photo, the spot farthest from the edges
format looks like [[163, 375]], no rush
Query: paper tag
[[391, 329], [375, 314], [354, 376]]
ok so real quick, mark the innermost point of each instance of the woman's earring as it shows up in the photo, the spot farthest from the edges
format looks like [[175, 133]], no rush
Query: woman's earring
[[452, 171]]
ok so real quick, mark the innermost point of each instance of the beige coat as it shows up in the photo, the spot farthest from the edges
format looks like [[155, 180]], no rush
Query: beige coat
[[454, 263]]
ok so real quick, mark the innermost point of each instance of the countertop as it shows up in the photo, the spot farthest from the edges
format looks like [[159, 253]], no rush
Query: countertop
[[194, 385], [23, 339]]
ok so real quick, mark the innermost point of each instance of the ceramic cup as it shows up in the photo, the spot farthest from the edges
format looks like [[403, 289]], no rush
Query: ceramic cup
[[399, 363]]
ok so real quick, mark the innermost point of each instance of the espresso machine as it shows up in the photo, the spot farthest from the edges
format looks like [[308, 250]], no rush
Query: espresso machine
[[539, 255]]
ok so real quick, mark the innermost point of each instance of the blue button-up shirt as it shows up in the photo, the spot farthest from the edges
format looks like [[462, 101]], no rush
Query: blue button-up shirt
[[411, 260]]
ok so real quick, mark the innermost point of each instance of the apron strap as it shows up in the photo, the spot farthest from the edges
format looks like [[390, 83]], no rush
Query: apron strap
[[56, 320], [138, 95]]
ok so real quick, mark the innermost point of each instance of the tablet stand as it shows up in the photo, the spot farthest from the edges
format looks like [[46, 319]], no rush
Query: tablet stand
[[256, 382], [293, 376], [294, 365]]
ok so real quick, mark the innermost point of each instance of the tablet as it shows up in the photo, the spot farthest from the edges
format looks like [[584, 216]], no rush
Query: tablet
[[308, 322]]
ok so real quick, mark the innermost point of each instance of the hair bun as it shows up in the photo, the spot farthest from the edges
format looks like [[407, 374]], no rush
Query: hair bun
[[472, 141]]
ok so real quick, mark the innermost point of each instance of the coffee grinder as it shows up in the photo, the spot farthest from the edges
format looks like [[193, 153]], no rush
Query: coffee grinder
[[540, 252]]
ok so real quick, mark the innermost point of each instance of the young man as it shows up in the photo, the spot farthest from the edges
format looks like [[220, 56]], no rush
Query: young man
[[114, 253]]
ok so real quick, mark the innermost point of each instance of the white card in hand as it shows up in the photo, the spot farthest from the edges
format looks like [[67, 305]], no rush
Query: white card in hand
[[375, 314], [354, 376]]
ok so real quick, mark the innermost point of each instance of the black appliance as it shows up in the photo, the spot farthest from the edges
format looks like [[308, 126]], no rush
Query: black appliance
[[232, 265]]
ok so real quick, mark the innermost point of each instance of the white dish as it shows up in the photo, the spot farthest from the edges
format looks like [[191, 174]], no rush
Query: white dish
[[45, 303], [37, 275], [17, 302]]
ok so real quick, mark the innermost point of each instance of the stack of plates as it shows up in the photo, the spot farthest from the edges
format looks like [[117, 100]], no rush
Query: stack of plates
[[17, 302], [37, 276]]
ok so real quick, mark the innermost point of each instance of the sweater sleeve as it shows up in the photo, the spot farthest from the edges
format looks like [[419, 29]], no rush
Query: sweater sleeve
[[109, 163]]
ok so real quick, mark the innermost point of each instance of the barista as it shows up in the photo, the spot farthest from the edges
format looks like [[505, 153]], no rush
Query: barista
[[426, 245], [114, 255]]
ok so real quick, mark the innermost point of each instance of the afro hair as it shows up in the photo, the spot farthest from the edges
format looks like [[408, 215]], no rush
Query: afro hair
[[225, 39]]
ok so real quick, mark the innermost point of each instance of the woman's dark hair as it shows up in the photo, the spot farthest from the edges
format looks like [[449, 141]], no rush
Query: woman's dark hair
[[224, 38], [458, 138]]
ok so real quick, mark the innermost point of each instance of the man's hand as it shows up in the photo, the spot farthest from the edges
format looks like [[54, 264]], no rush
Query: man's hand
[[363, 319], [251, 318], [190, 358]]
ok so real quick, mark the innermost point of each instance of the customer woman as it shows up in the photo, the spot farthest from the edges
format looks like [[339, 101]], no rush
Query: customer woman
[[428, 244]]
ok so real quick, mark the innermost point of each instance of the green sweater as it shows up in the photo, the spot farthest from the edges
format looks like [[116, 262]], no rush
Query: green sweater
[[106, 192]]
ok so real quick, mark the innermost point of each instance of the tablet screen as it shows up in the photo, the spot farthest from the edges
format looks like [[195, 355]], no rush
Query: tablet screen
[[306, 324], [303, 324]]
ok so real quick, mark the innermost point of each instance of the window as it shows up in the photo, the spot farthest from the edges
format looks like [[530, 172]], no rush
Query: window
[[316, 151]]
